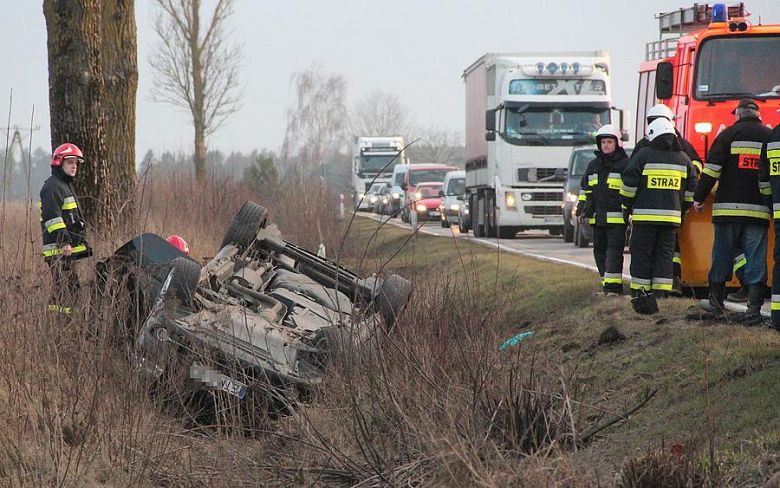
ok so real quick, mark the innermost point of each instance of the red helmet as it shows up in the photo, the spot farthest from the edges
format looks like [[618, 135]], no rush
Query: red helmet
[[179, 243], [66, 151]]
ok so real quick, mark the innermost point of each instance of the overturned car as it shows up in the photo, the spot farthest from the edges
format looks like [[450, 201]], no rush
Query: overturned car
[[262, 315]]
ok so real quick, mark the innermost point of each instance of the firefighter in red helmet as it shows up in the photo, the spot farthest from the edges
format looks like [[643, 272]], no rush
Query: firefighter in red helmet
[[62, 226]]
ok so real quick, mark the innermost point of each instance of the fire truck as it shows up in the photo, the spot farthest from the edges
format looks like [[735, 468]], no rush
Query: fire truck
[[705, 60]]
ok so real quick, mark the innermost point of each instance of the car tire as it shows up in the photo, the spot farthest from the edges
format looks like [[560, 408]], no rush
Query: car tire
[[556, 231], [186, 276], [244, 226], [490, 217], [568, 230], [445, 224], [507, 232], [392, 298]]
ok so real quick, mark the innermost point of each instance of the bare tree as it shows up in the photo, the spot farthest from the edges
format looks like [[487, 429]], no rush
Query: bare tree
[[316, 121], [381, 114], [437, 145], [196, 67], [93, 55]]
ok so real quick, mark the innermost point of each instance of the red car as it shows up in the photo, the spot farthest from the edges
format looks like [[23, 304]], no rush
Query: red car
[[427, 201]]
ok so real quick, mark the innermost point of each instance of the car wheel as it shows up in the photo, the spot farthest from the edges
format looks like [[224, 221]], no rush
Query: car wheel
[[506, 232], [186, 276], [490, 217], [568, 230], [244, 226], [392, 298], [445, 224]]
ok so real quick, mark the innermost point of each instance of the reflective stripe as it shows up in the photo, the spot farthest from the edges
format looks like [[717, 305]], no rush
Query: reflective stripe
[[674, 173], [676, 258], [615, 218], [641, 284], [657, 211], [592, 220], [772, 153], [50, 250], [688, 196], [772, 145], [740, 210], [54, 224], [656, 218], [628, 191], [60, 309], [615, 176], [666, 166], [69, 203], [712, 170], [593, 180], [775, 306], [662, 284], [739, 261], [583, 197], [612, 278], [746, 147], [765, 187], [775, 302]]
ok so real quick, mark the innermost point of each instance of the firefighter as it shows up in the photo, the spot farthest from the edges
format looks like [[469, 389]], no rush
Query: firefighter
[[657, 190], [662, 111], [740, 214], [769, 185], [63, 227], [600, 204]]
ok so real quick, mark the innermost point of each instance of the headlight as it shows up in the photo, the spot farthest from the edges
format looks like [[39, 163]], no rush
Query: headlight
[[384, 200], [421, 208], [465, 211], [372, 199], [361, 196], [396, 196], [572, 197], [509, 199], [454, 207], [526, 196], [418, 195]]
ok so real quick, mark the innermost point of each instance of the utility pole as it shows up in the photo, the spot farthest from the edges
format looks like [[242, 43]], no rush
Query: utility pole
[[16, 140]]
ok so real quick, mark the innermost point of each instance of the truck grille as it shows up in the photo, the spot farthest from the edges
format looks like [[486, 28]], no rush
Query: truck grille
[[542, 210], [541, 175], [547, 196]]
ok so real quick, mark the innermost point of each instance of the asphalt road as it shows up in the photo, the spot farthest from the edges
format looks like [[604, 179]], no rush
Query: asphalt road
[[536, 244]]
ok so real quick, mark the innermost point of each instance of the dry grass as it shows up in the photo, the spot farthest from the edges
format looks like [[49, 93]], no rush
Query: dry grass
[[433, 403]]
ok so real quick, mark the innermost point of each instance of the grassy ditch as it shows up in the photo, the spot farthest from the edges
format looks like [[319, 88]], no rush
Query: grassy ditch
[[433, 402]]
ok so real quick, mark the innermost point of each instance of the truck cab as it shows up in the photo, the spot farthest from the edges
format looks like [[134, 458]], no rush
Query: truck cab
[[373, 161]]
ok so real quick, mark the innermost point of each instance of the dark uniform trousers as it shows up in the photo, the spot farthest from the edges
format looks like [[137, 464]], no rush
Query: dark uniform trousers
[[775, 304], [65, 286], [608, 244], [652, 251]]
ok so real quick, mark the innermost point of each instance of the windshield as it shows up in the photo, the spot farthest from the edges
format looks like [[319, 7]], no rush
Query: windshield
[[558, 126], [399, 178], [737, 66], [375, 164], [457, 186], [427, 191], [580, 163], [420, 175], [376, 187]]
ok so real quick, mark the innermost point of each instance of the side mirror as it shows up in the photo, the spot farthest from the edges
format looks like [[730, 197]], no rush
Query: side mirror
[[404, 186], [441, 193], [490, 136], [490, 120], [664, 80]]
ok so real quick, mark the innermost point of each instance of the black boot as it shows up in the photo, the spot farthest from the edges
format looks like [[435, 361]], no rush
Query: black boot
[[677, 290], [755, 300], [644, 303], [714, 303], [740, 295]]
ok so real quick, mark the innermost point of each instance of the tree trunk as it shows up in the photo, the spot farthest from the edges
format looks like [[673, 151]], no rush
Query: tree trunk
[[76, 92], [120, 76], [198, 112]]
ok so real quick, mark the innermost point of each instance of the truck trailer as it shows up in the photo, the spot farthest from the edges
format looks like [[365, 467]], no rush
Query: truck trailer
[[524, 113]]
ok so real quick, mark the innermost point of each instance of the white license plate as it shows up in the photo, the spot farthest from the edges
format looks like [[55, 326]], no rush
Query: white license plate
[[232, 386], [434, 214]]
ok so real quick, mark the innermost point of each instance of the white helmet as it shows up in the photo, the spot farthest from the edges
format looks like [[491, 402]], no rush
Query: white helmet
[[659, 127], [660, 110], [609, 130]]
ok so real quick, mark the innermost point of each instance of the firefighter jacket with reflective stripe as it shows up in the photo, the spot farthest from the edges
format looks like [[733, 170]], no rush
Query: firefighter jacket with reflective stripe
[[61, 219], [686, 146], [769, 171], [733, 164], [658, 183], [599, 199]]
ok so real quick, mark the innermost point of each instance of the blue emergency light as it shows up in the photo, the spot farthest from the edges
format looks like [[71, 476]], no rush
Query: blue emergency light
[[720, 13]]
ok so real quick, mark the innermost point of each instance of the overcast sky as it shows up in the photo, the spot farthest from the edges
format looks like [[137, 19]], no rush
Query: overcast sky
[[415, 49]]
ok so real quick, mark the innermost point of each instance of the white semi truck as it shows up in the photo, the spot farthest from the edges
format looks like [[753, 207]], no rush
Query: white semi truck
[[524, 113], [373, 160]]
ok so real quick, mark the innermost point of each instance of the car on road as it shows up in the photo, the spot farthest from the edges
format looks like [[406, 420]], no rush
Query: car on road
[[384, 205], [396, 189], [454, 186], [372, 197], [416, 174], [427, 201], [262, 317]]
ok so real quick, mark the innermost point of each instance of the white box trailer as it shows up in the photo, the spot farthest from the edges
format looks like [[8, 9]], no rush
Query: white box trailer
[[373, 161], [524, 113]]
